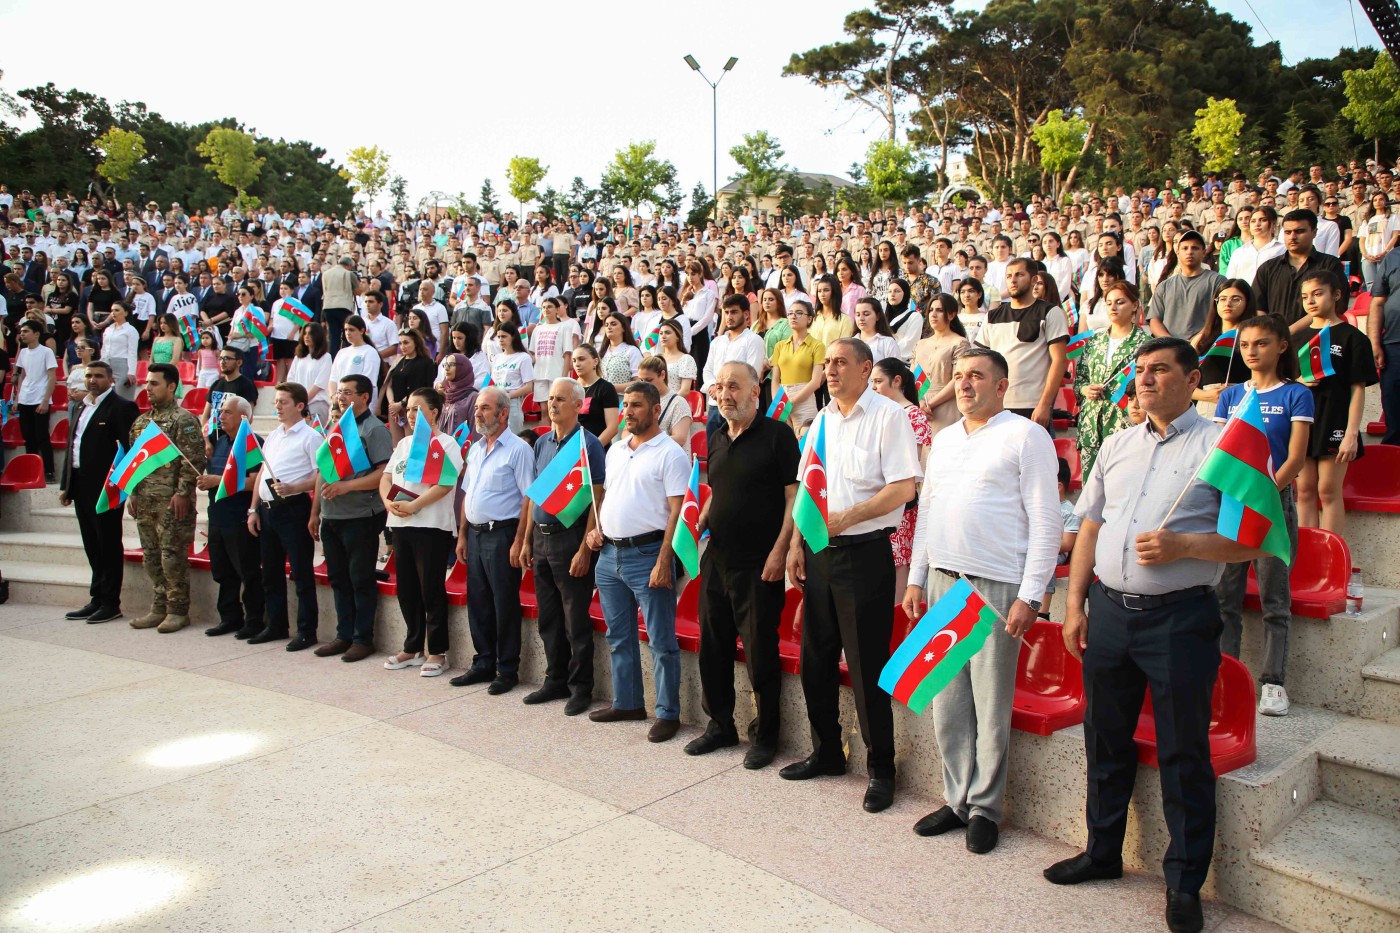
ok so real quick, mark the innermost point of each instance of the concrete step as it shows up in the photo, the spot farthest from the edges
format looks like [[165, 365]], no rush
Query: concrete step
[[1340, 867], [1359, 765], [54, 549], [46, 584], [1374, 541], [61, 520], [1381, 677]]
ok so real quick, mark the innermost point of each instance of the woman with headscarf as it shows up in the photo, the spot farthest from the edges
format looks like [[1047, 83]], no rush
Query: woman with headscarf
[[459, 393], [906, 322]]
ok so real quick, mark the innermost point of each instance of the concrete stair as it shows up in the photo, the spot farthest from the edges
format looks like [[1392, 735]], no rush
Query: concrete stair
[[1381, 700]]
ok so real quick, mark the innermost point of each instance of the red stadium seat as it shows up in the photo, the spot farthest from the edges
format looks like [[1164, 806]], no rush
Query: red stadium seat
[[58, 437], [1066, 447], [318, 571], [1049, 683], [195, 400], [1371, 483], [530, 408], [457, 584], [1360, 308], [1066, 401], [389, 587], [688, 617], [1231, 721], [60, 396], [790, 632], [143, 369], [529, 602], [12, 434], [1321, 570], [542, 429], [188, 374], [143, 401], [134, 555], [200, 559], [697, 404], [1376, 428], [700, 447], [25, 471]]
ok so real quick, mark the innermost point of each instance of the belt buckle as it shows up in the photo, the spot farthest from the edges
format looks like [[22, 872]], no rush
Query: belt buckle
[[1129, 600]]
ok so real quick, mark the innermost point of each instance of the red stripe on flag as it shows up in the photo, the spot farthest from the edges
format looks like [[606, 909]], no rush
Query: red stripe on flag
[[1254, 527], [432, 470], [1246, 443], [933, 653], [565, 492]]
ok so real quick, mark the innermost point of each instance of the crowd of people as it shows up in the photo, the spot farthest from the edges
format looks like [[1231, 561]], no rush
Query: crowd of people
[[928, 349]]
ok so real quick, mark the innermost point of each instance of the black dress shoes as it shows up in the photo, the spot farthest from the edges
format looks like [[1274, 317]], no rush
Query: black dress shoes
[[940, 821], [711, 742], [476, 675], [503, 684], [248, 630], [1082, 868], [613, 714], [265, 636], [811, 767], [759, 756], [82, 613], [301, 642], [879, 794], [104, 614], [578, 704], [982, 835], [1184, 912], [224, 628], [546, 694]]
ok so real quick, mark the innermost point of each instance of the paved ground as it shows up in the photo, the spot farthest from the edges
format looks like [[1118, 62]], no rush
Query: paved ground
[[188, 783]]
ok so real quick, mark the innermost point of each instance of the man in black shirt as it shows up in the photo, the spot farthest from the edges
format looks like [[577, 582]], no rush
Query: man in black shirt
[[231, 381], [1276, 282], [751, 469], [235, 559]]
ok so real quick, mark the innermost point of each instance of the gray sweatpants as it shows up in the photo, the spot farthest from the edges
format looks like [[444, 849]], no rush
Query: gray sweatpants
[[972, 715], [1275, 601]]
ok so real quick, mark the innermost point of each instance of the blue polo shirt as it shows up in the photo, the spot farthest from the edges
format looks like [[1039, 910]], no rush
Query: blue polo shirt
[[1281, 406], [547, 448]]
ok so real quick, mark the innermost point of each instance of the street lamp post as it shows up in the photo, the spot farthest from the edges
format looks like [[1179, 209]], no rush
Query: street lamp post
[[714, 100]]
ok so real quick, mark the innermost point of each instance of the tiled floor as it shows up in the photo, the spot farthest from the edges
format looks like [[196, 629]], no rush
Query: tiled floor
[[182, 782]]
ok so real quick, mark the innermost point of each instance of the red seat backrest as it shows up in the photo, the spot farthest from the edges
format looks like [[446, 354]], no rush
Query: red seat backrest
[[704, 495], [1068, 402], [1374, 475], [59, 435], [1323, 561], [25, 471], [700, 445], [790, 624], [60, 396], [12, 435], [688, 608], [1065, 447], [1045, 668], [697, 404]]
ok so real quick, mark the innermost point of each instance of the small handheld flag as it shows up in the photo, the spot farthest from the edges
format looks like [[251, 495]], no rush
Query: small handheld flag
[[111, 496], [1125, 378], [1241, 467], [564, 488], [430, 461], [342, 455], [4, 412], [463, 435], [781, 408], [652, 339], [294, 311], [1078, 344], [244, 455], [686, 540], [1224, 345], [318, 424], [485, 381], [940, 645], [809, 508], [1315, 356], [151, 450], [188, 332], [921, 381]]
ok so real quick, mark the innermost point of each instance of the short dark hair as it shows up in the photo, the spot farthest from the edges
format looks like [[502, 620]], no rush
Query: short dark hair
[[737, 300], [973, 350], [101, 364], [167, 371], [295, 389], [1064, 474], [361, 383], [1181, 350], [1325, 276], [644, 389], [1302, 216], [428, 394]]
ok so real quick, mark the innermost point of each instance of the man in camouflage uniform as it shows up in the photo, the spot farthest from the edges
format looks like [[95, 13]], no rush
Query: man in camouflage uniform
[[163, 504]]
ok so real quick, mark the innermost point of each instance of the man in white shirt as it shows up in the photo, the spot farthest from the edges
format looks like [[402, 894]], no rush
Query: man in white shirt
[[735, 343], [1329, 236], [990, 516], [36, 372]]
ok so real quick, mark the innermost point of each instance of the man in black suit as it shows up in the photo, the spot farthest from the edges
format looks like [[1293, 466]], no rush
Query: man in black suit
[[313, 294], [105, 419]]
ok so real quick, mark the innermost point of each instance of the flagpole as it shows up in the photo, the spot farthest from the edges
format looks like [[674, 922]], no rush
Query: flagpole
[[177, 448], [1197, 473], [592, 499]]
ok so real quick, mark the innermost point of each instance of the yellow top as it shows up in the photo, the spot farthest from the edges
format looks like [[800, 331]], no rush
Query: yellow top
[[826, 329], [795, 364]]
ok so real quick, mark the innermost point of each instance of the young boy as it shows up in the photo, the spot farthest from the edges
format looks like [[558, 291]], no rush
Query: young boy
[[1071, 529]]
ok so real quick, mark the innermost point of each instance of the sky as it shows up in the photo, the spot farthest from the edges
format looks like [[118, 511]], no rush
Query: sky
[[453, 91]]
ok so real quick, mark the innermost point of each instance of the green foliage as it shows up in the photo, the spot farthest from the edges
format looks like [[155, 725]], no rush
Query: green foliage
[[636, 176], [1060, 141], [233, 159], [487, 200], [1373, 99], [1293, 141], [894, 172], [793, 202], [701, 206], [760, 159], [1336, 141], [1217, 132], [523, 175], [550, 205], [368, 167], [121, 151], [398, 192]]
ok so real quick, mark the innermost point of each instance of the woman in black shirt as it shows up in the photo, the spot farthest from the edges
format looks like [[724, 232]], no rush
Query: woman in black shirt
[[599, 414], [414, 370]]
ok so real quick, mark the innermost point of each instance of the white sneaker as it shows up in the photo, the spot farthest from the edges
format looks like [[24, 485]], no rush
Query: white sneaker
[[1273, 701]]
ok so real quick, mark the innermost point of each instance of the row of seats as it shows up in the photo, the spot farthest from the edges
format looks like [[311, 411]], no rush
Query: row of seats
[[193, 401]]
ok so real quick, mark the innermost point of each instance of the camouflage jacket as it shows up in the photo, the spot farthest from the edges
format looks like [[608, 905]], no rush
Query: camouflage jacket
[[176, 477]]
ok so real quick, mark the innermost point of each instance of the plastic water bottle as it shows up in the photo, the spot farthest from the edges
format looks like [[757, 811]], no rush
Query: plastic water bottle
[[1356, 593]]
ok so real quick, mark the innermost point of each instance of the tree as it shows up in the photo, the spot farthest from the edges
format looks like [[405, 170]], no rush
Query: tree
[[1061, 143], [487, 201], [701, 206], [550, 205], [524, 174], [398, 191], [1334, 141], [1373, 100], [1293, 141], [668, 203], [579, 199], [793, 202], [760, 159], [368, 167], [121, 151], [635, 174], [233, 159], [1217, 132], [894, 172], [10, 109]]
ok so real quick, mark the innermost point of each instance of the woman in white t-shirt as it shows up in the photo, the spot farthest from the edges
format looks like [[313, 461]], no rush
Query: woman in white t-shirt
[[357, 356], [553, 344], [874, 330], [513, 372], [119, 345], [1380, 233], [620, 353], [311, 369], [424, 522], [283, 338], [680, 365]]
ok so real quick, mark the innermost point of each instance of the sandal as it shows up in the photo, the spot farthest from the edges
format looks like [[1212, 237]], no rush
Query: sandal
[[394, 664], [432, 669]]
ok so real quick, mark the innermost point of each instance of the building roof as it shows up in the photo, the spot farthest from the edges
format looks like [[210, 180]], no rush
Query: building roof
[[810, 179]]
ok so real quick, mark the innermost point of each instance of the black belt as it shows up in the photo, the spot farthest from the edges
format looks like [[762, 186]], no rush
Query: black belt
[[948, 573], [552, 528], [492, 526], [852, 540], [1135, 603], [286, 501], [651, 537]]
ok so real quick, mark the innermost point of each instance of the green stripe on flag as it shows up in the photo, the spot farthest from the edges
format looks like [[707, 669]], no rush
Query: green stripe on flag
[[1238, 480], [955, 661]]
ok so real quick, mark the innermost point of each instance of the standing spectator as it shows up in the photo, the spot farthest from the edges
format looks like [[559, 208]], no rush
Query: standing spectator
[[1109, 352], [1182, 302], [355, 356], [311, 369], [736, 343], [231, 381], [1383, 328], [513, 371], [1276, 284], [36, 374], [893, 379], [599, 413], [935, 354], [120, 343], [1380, 234], [1031, 334], [414, 370], [552, 342], [338, 285], [234, 560]]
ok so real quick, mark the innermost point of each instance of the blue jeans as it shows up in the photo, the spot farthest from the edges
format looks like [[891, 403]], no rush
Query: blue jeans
[[351, 546], [623, 576]]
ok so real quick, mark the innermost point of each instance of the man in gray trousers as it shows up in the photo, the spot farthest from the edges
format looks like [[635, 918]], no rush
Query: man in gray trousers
[[990, 514]]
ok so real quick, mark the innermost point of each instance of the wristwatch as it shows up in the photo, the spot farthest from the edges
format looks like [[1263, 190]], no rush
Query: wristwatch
[[1033, 603]]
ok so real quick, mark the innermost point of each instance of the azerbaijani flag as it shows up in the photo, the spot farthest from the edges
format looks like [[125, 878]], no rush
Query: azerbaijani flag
[[188, 332], [1077, 345], [5, 413], [652, 339], [686, 540], [111, 497], [430, 461], [244, 455], [463, 436], [921, 381], [151, 450], [296, 312], [486, 380], [945, 639], [342, 455], [318, 424], [1315, 357], [1241, 467], [1224, 345], [1071, 312], [809, 508], [564, 488], [249, 326], [781, 408], [1125, 378]]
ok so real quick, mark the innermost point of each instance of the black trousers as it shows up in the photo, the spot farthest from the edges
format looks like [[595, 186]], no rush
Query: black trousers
[[285, 538], [736, 603], [235, 562], [565, 628], [335, 327], [34, 428], [493, 599], [102, 542], [560, 262], [847, 604], [420, 561], [1174, 651]]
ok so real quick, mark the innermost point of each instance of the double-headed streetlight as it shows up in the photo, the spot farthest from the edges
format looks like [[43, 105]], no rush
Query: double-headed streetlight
[[714, 94]]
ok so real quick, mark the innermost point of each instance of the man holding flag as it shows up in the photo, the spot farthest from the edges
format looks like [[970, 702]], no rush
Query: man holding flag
[[752, 470], [162, 501], [990, 516], [1148, 533], [234, 559], [570, 467]]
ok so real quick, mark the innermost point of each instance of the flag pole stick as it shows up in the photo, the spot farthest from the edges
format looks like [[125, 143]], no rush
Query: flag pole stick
[[1194, 475], [592, 499]]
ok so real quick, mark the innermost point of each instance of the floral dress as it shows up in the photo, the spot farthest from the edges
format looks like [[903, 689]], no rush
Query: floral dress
[[1100, 418], [902, 541]]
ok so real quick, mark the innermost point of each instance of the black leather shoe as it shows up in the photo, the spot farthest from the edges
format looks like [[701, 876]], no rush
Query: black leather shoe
[[578, 704], [1184, 912], [940, 821], [811, 767], [265, 636], [224, 628], [82, 613], [503, 684], [301, 642], [879, 794], [248, 631], [759, 756], [982, 835], [104, 614], [711, 742], [477, 675], [1082, 868], [546, 694]]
